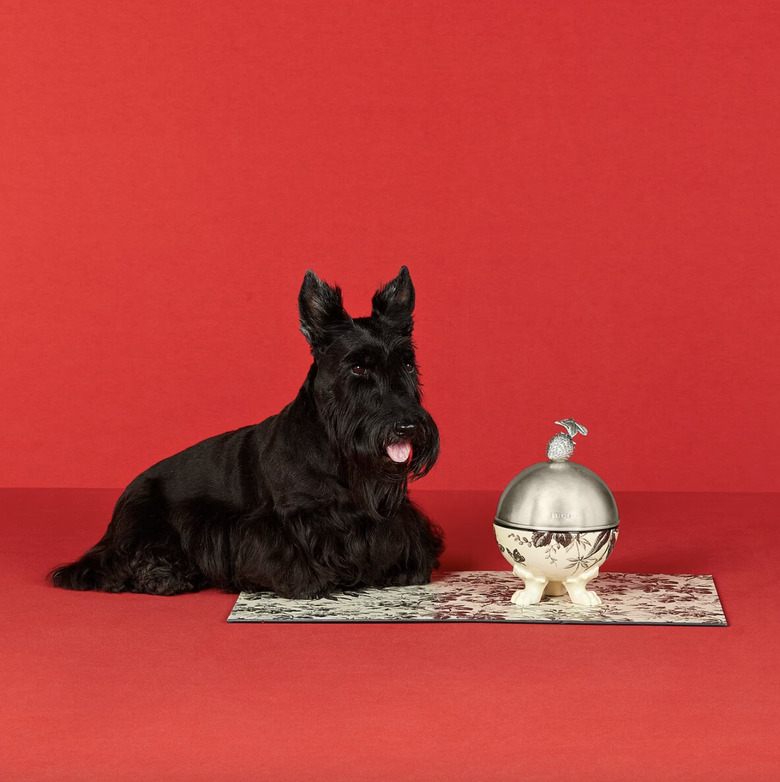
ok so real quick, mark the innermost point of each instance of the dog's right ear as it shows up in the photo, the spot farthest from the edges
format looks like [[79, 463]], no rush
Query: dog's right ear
[[321, 310]]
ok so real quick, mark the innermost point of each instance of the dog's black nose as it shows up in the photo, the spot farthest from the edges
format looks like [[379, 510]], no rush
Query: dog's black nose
[[402, 429]]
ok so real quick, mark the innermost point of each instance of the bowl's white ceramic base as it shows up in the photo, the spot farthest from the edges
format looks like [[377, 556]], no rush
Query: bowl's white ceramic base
[[555, 563], [537, 586]]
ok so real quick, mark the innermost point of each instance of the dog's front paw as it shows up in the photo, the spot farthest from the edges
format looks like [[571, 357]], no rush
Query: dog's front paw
[[409, 579], [303, 591]]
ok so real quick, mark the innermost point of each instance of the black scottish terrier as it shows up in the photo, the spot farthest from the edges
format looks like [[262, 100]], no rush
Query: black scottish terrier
[[307, 502]]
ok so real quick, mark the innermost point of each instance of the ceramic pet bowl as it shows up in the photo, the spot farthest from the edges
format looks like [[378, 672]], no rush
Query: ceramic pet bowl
[[556, 523]]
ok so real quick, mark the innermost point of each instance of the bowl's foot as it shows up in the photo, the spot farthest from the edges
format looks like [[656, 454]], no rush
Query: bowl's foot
[[534, 587], [575, 586], [538, 586]]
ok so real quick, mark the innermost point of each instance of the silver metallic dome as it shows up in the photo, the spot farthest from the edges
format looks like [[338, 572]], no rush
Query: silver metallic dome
[[561, 496], [558, 495]]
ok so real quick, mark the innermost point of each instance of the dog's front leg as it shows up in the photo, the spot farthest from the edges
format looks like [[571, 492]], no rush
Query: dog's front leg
[[296, 557]]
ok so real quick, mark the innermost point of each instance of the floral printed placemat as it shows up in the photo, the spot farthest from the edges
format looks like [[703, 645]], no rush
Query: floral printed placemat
[[484, 596]]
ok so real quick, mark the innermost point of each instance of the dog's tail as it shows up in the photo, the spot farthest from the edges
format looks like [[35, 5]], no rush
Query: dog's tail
[[86, 573]]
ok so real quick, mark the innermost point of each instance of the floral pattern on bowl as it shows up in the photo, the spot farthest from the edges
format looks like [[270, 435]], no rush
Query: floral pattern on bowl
[[554, 562]]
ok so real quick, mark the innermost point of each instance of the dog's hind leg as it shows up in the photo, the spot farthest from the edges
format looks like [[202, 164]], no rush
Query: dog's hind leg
[[156, 570], [140, 552], [156, 567]]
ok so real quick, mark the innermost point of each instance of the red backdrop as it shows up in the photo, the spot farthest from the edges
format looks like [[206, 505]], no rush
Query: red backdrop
[[586, 195]]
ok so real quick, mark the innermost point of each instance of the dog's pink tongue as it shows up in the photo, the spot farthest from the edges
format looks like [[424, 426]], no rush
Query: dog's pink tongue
[[399, 452]]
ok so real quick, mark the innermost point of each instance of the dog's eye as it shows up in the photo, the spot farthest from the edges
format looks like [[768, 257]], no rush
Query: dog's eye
[[359, 369], [409, 367]]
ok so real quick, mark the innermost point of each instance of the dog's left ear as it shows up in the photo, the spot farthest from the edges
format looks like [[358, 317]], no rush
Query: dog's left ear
[[394, 302], [321, 310]]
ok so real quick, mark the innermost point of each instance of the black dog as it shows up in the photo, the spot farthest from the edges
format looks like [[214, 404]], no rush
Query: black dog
[[309, 501]]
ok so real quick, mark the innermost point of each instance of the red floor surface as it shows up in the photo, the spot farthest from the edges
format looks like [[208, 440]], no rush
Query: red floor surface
[[129, 687]]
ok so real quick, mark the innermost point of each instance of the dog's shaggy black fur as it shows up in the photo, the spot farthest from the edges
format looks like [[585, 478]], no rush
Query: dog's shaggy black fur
[[309, 501]]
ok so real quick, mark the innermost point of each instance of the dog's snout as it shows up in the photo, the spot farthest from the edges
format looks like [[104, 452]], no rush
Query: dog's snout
[[403, 429]]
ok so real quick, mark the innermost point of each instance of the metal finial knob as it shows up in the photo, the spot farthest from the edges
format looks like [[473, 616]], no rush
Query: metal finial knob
[[561, 446]]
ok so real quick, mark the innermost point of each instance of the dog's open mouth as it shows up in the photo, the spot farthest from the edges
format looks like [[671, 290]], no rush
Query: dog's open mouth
[[400, 452]]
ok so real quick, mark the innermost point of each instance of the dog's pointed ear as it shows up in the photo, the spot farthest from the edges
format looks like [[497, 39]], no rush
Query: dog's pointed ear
[[321, 310], [394, 302]]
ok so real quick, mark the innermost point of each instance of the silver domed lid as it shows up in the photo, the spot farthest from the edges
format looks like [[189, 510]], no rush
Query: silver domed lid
[[558, 494]]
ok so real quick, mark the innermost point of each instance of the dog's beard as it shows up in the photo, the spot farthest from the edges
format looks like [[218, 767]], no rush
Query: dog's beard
[[378, 462], [379, 452], [424, 448]]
